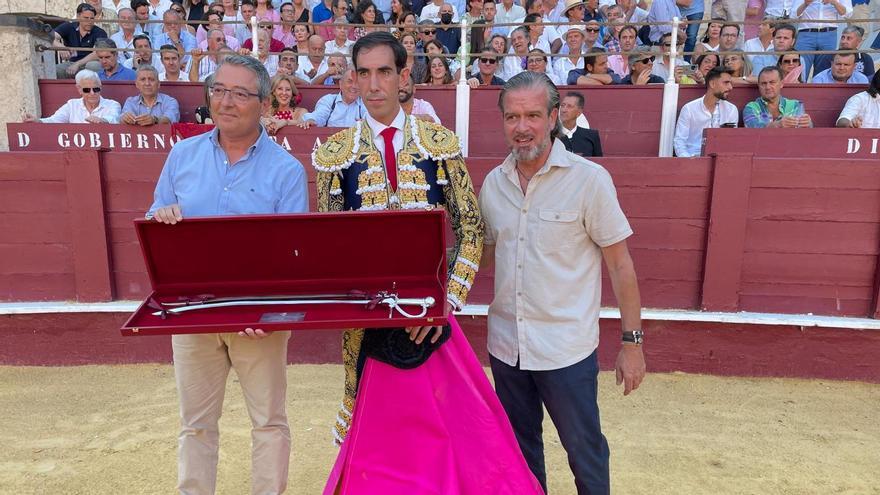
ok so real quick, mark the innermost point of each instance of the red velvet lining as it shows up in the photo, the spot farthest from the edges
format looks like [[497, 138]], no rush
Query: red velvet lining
[[400, 251]]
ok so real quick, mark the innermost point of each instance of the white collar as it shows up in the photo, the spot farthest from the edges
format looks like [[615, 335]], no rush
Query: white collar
[[377, 127]]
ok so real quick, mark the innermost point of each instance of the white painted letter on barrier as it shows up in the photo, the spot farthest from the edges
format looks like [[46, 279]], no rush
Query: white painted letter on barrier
[[852, 146], [23, 140]]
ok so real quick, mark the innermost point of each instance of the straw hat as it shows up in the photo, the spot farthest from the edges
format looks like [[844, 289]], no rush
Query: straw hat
[[577, 28], [569, 4]]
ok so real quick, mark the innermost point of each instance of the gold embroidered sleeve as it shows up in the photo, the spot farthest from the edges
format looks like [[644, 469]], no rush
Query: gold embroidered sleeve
[[325, 183], [467, 223]]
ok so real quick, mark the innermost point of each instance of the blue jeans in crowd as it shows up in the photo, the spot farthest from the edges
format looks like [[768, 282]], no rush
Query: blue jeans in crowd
[[692, 31], [811, 40], [570, 395]]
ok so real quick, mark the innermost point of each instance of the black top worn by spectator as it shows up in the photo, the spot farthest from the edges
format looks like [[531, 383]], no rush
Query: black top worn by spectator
[[450, 38], [583, 142], [69, 32], [496, 81], [652, 79]]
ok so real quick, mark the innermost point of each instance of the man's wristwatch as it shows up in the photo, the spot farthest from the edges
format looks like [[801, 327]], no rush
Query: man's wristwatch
[[634, 337]]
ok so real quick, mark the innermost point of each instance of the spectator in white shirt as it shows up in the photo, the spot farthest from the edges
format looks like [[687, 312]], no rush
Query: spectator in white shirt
[[535, 25], [862, 110], [128, 29], [537, 62], [170, 70], [761, 43], [519, 50], [509, 13], [416, 107], [90, 107], [574, 41], [818, 35], [340, 43], [315, 63], [632, 13], [431, 12], [143, 53], [288, 63], [710, 111]]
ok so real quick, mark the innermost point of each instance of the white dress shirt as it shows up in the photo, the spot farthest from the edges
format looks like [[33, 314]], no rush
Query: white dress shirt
[[695, 117], [119, 38], [866, 107], [305, 65], [75, 112], [563, 66], [548, 258], [432, 12], [509, 16], [580, 122], [820, 11], [156, 62], [422, 107], [377, 127], [779, 8], [331, 47], [112, 7]]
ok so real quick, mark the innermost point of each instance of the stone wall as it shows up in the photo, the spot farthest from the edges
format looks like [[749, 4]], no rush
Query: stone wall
[[60, 8], [22, 65]]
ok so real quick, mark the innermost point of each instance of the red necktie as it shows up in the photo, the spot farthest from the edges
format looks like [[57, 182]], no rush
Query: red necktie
[[390, 156]]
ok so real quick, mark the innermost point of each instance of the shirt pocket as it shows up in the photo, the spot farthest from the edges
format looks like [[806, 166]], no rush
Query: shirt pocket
[[557, 229]]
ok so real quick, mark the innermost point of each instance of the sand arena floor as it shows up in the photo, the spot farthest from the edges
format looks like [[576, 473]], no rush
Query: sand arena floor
[[112, 430]]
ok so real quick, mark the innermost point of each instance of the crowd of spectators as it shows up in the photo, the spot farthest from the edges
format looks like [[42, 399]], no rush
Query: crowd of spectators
[[303, 42]]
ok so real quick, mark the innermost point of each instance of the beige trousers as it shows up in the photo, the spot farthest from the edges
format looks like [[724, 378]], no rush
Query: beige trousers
[[201, 366], [861, 11], [731, 10]]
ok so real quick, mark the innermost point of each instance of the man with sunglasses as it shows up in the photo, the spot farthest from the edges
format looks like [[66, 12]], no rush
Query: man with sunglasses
[[661, 65], [233, 170], [641, 65], [487, 64], [90, 107]]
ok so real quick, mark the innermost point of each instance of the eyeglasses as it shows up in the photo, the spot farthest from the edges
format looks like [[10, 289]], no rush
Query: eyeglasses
[[729, 35], [268, 27], [429, 31], [794, 61], [91, 90], [649, 60], [535, 61], [238, 95], [592, 30], [490, 61]]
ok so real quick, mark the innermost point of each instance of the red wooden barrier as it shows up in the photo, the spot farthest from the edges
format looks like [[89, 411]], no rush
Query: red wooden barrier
[[628, 118], [810, 143]]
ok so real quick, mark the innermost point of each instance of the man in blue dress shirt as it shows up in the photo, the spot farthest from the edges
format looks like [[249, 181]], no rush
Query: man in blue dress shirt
[[843, 70], [341, 109], [234, 170], [174, 36], [150, 107]]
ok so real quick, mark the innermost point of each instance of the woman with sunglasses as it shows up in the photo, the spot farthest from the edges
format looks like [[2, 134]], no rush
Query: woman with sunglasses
[[418, 68], [741, 67], [181, 11], [711, 39], [792, 70], [438, 72], [89, 108]]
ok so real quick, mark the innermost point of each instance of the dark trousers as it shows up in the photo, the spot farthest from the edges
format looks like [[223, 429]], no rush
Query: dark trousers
[[570, 395]]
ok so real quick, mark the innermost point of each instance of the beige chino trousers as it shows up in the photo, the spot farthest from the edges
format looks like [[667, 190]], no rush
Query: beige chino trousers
[[201, 367]]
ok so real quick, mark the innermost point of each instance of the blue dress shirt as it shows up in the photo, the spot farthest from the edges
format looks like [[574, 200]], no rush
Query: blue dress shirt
[[332, 111], [189, 43], [123, 74], [198, 177], [825, 77], [165, 106]]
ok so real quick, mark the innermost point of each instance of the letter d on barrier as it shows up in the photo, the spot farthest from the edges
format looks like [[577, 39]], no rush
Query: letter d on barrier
[[852, 146], [24, 140]]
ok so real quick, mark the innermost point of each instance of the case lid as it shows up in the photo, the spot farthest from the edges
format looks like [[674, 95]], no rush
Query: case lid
[[265, 254]]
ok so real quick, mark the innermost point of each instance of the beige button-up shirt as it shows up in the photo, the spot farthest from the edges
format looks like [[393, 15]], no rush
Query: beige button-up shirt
[[548, 258]]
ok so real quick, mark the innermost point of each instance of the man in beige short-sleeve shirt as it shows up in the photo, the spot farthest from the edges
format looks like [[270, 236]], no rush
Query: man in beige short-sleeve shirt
[[551, 218]]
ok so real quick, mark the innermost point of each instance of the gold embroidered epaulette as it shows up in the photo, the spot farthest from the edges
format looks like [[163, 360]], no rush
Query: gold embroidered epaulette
[[434, 140], [339, 151]]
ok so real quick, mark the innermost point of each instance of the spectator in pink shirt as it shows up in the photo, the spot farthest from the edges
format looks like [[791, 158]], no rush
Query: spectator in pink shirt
[[416, 107], [627, 39]]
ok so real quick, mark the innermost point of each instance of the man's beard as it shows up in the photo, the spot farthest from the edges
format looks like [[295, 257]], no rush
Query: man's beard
[[404, 97], [721, 95], [531, 153]]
